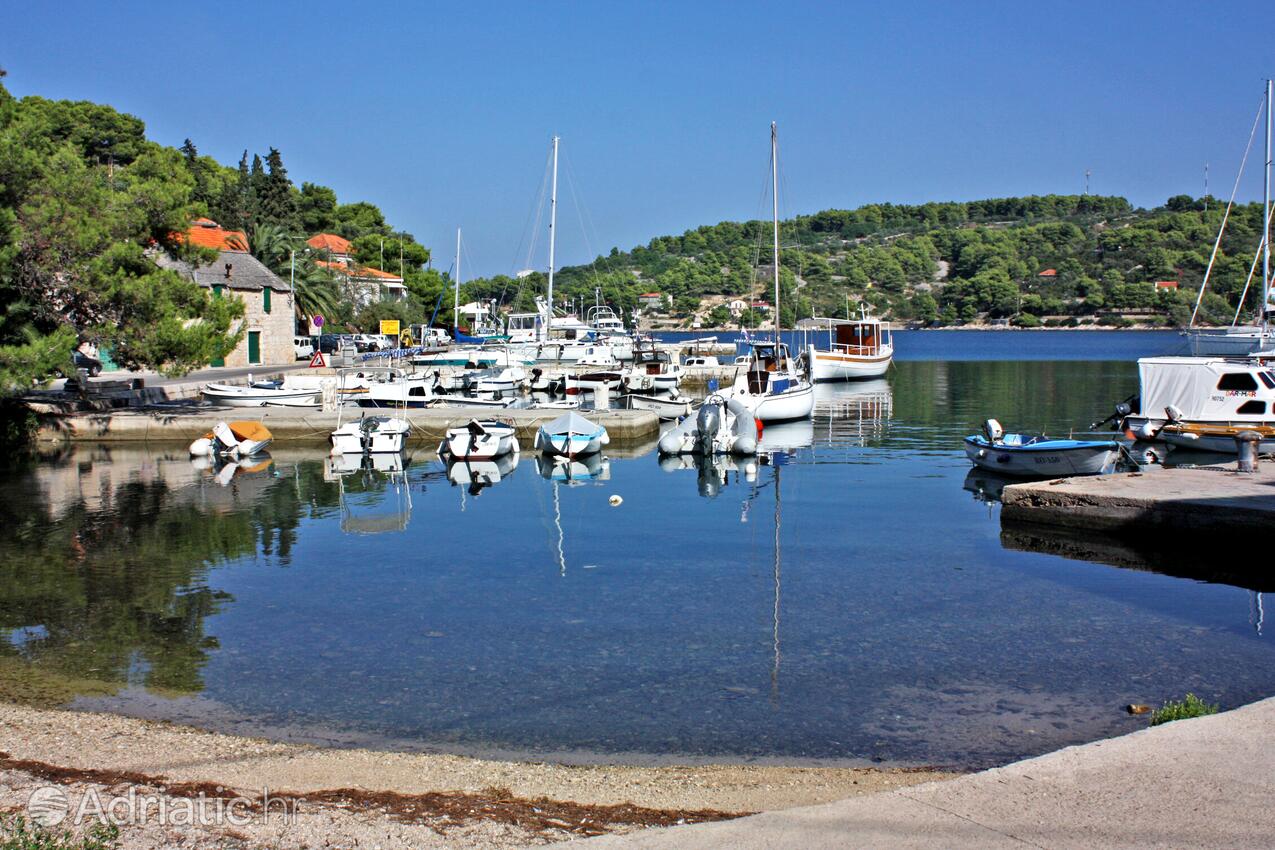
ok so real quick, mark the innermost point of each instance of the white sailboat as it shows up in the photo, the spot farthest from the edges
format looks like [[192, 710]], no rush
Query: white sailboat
[[772, 387]]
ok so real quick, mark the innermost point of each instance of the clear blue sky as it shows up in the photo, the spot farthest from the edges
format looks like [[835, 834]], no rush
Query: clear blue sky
[[441, 113]]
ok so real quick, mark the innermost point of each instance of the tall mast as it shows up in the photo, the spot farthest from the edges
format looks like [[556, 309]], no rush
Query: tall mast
[[553, 221], [1266, 214], [774, 197], [456, 288]]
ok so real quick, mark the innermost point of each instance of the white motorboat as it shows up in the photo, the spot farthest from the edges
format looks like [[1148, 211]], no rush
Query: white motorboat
[[570, 435], [853, 350], [496, 379], [394, 388], [664, 406], [1205, 391], [234, 440], [259, 395], [479, 439], [771, 387], [723, 425], [1025, 455], [653, 370], [370, 435]]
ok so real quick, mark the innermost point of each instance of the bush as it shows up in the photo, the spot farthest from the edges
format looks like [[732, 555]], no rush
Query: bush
[[17, 833], [1183, 709], [1025, 320]]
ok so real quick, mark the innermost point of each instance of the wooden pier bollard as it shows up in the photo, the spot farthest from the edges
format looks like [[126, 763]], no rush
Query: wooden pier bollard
[[1246, 443]]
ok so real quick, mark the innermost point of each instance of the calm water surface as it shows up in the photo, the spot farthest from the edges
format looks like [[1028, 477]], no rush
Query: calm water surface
[[855, 600]]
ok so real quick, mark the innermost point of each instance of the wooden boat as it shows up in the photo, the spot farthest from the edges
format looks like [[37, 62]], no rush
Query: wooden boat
[[1024, 455], [570, 435], [259, 395], [233, 440], [855, 349], [479, 439], [1216, 437]]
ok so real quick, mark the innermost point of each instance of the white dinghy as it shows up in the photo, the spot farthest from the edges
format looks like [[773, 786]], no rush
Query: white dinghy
[[479, 439]]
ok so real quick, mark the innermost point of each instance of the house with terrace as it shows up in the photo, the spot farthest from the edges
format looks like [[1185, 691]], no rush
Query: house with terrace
[[361, 285], [267, 298]]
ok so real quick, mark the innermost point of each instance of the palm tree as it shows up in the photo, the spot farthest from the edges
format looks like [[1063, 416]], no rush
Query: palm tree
[[314, 292]]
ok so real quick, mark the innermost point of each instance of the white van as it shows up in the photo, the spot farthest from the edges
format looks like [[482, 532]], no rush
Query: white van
[[303, 347]]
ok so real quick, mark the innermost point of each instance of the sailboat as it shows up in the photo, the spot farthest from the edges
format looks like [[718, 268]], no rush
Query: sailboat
[[1242, 340], [772, 387]]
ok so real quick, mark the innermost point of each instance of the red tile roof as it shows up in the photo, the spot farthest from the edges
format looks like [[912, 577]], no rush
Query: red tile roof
[[1166, 284], [1048, 273], [329, 242], [364, 272], [650, 295], [207, 234]]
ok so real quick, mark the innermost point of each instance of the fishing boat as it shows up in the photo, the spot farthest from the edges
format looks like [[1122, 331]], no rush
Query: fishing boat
[[570, 435], [1216, 437], [479, 439], [1024, 455], [239, 439], [723, 425], [666, 407], [260, 394], [1201, 391], [771, 387], [370, 435], [855, 348]]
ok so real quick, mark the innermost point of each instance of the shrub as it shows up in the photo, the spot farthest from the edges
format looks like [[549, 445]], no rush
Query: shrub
[[1182, 709], [17, 833]]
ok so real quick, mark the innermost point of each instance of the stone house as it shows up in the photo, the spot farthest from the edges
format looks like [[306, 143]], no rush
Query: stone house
[[268, 310]]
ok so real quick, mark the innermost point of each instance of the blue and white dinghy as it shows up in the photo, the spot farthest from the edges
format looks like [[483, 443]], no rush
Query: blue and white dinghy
[[1026, 455], [570, 435]]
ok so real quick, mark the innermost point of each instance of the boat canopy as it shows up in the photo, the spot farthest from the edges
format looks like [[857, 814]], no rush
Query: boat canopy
[[1195, 385]]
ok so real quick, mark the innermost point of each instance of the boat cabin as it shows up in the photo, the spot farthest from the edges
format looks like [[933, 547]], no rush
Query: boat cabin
[[1207, 389], [864, 337]]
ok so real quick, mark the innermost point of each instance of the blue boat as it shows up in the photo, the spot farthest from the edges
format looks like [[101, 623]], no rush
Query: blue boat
[[1030, 456]]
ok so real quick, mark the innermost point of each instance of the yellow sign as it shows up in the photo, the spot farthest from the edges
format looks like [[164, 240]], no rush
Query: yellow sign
[[389, 327]]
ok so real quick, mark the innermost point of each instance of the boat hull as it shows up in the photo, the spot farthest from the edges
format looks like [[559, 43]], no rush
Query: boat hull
[[227, 396], [665, 407], [1219, 440], [826, 367], [1050, 459], [487, 442], [787, 406]]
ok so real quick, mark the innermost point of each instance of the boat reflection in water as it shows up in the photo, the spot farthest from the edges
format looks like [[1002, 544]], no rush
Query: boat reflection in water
[[986, 485], [714, 470], [224, 471], [855, 413], [477, 475], [383, 501], [576, 470]]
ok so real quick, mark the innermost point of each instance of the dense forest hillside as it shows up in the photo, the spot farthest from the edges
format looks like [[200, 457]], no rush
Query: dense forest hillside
[[1055, 259]]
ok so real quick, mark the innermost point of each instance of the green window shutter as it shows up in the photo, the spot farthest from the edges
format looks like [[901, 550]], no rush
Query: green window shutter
[[265, 299]]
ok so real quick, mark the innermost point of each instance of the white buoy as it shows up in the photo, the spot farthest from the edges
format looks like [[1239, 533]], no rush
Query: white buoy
[[616, 501]]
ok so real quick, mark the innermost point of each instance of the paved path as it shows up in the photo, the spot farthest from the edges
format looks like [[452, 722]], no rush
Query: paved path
[[1208, 782]]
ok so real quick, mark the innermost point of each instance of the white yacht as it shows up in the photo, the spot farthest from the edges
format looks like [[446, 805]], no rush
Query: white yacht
[[854, 349]]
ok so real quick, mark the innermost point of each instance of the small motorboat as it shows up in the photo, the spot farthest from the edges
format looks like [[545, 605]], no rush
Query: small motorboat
[[479, 439], [722, 426], [370, 435], [233, 440], [1024, 455], [570, 435], [274, 393], [664, 406]]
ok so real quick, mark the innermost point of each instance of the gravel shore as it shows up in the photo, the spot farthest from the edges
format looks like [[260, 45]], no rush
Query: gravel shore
[[365, 798]]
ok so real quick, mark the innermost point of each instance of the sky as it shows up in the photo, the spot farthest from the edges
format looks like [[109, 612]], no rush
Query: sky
[[442, 114]]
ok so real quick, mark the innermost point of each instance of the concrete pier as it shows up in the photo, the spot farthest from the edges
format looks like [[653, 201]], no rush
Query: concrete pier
[[1169, 501], [183, 424]]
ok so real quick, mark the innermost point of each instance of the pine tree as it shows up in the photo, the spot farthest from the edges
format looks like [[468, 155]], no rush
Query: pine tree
[[277, 204]]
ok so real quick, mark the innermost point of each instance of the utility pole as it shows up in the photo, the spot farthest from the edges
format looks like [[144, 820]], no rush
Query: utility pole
[[1206, 186], [1087, 173]]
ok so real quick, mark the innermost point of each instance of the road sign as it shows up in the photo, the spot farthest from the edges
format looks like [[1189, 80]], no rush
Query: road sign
[[317, 321], [318, 361], [389, 327]]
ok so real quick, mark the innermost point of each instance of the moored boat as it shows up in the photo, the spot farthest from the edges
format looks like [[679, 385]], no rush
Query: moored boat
[[1216, 437], [1025, 455], [854, 349], [479, 439], [664, 406], [370, 435], [259, 395], [570, 435], [243, 438], [722, 426]]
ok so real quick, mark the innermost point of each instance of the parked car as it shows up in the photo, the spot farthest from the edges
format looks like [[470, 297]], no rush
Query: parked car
[[84, 361], [303, 347], [369, 342], [329, 343]]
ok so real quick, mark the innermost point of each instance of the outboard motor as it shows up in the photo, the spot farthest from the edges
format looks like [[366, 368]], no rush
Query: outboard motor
[[223, 438], [707, 424], [993, 430]]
